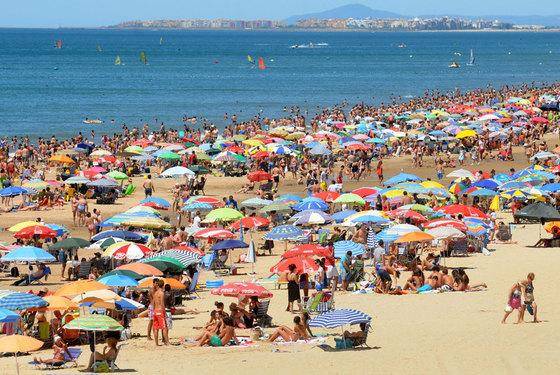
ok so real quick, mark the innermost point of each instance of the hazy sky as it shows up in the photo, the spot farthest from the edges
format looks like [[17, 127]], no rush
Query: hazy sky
[[54, 13]]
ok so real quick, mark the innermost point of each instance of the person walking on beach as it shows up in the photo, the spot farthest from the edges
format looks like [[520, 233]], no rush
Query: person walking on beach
[[148, 186], [379, 170], [529, 299], [514, 303]]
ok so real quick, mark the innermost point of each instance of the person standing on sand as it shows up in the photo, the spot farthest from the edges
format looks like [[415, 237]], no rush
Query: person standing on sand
[[159, 313], [529, 299], [148, 186], [379, 170]]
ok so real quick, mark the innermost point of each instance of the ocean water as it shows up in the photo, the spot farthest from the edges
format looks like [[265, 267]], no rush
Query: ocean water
[[44, 90]]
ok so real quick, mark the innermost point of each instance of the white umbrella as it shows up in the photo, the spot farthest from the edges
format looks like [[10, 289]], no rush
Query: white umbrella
[[461, 173], [445, 232], [177, 172]]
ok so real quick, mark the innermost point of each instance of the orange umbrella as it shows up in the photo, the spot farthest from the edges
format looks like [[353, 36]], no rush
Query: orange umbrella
[[64, 159], [19, 344], [415, 237], [148, 281], [549, 227], [141, 269], [59, 303], [79, 287]]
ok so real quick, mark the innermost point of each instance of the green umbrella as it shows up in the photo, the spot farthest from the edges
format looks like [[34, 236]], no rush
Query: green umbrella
[[278, 207], [239, 137], [202, 156], [128, 273], [199, 169], [95, 322], [163, 263], [70, 244], [117, 175], [168, 155], [105, 243], [223, 215], [134, 150], [350, 198]]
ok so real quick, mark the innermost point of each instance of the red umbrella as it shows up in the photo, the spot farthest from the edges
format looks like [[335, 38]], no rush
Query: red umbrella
[[237, 289], [365, 191], [210, 200], [260, 155], [410, 214], [258, 176], [142, 142], [153, 205], [358, 146], [307, 250], [235, 149], [303, 265], [214, 233], [327, 196], [250, 222], [461, 209], [457, 224], [539, 120], [36, 230], [190, 249]]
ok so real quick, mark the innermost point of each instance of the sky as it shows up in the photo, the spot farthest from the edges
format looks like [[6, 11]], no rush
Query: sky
[[67, 13]]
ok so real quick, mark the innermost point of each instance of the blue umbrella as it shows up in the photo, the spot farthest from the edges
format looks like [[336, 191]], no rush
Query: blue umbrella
[[483, 193], [373, 219], [289, 197], [157, 200], [386, 237], [338, 318], [229, 244], [502, 177], [283, 232], [60, 229], [401, 177], [124, 234], [311, 204], [320, 149], [13, 191], [103, 182], [28, 254], [116, 280], [342, 247], [7, 316], [339, 217], [197, 206], [306, 213], [20, 301], [554, 187], [487, 184]]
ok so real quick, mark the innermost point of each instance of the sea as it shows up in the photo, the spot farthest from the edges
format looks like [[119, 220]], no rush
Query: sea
[[48, 91]]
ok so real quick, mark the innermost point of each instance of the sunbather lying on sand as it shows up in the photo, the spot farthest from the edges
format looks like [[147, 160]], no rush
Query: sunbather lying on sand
[[298, 333]]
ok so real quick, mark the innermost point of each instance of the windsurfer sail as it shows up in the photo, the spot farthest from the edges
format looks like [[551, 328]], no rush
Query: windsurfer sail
[[250, 59], [472, 59], [143, 58], [99, 49], [118, 60], [160, 41], [262, 66]]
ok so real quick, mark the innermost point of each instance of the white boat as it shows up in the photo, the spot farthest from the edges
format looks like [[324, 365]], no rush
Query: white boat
[[454, 65], [92, 121], [309, 45], [471, 60], [402, 45]]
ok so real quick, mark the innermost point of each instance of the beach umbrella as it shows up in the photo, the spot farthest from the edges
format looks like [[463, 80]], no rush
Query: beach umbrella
[[461, 209], [320, 149], [228, 156], [258, 176], [311, 204], [177, 172], [340, 216], [12, 300], [453, 223], [196, 206], [186, 258], [229, 244], [95, 295], [465, 134], [28, 254], [307, 250], [368, 214], [103, 182], [255, 202], [190, 249], [224, 214], [401, 177], [350, 198], [156, 202], [445, 232], [59, 303], [402, 229], [100, 152], [414, 237], [164, 263], [342, 247], [215, 202], [128, 273], [19, 344], [42, 231], [8, 316], [127, 250], [462, 173], [118, 281], [95, 323], [117, 175], [365, 191], [276, 207], [304, 264], [12, 191], [414, 216], [79, 287], [70, 244], [311, 217], [62, 159], [173, 283], [283, 233], [168, 155], [338, 318], [77, 180], [284, 198], [123, 234], [147, 223], [242, 289], [250, 222], [482, 192], [59, 229], [19, 226], [327, 196], [144, 269], [218, 233]]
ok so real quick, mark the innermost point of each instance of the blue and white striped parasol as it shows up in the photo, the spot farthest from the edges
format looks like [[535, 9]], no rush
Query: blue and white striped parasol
[[20, 301], [342, 247], [311, 204], [338, 318], [197, 206], [284, 232], [186, 258]]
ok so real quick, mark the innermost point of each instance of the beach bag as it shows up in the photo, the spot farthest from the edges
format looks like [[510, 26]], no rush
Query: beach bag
[[343, 343], [100, 367]]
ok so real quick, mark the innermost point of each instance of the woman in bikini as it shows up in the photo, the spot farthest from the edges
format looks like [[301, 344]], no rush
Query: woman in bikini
[[298, 333], [59, 348]]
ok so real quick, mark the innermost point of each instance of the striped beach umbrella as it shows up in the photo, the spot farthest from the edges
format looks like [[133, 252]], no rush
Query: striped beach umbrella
[[197, 206], [20, 301], [127, 250], [311, 204], [338, 318], [186, 258], [342, 247], [117, 280], [214, 233], [95, 322], [28, 254]]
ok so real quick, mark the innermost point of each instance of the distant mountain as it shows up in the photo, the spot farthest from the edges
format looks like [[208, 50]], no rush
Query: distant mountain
[[345, 11]]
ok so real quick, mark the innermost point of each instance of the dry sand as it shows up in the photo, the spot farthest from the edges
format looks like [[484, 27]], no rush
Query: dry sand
[[449, 333]]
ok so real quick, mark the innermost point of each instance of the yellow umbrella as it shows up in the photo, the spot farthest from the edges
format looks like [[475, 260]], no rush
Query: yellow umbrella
[[147, 223], [394, 193], [79, 287], [22, 225], [253, 142], [62, 159], [294, 136], [432, 184], [465, 134], [19, 344]]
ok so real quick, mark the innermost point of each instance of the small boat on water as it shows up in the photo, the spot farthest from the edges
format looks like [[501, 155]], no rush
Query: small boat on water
[[118, 60], [471, 60], [92, 121], [310, 45], [454, 65], [402, 45]]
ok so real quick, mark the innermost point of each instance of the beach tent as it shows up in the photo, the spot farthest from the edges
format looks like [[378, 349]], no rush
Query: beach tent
[[537, 212]]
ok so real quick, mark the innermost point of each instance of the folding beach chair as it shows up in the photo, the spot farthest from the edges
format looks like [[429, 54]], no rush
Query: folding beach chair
[[85, 269], [263, 319], [69, 361]]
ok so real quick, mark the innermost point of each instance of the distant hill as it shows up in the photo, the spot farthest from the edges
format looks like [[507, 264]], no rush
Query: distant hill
[[345, 11]]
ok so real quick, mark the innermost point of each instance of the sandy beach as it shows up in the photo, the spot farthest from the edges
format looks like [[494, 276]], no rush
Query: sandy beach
[[449, 333]]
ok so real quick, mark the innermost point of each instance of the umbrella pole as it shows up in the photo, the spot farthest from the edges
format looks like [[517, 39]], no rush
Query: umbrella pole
[[17, 364]]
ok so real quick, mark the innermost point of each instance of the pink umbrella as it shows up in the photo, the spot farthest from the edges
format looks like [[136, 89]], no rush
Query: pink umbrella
[[237, 289]]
